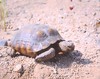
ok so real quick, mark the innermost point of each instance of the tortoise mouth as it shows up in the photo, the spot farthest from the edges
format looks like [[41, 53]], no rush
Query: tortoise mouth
[[55, 46]]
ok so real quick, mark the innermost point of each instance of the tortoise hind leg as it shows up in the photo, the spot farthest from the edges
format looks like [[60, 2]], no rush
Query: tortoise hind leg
[[45, 55]]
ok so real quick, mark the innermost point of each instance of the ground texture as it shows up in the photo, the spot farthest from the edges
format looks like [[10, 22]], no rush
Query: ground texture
[[76, 20]]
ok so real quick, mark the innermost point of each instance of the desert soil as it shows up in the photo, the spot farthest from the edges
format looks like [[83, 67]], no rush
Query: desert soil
[[76, 20]]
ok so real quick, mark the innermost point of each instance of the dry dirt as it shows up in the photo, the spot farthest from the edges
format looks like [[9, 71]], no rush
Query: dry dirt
[[76, 20]]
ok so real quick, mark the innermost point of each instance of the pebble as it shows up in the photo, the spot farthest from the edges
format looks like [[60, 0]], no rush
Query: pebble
[[18, 68], [16, 29], [0, 55], [71, 7], [97, 27], [55, 71]]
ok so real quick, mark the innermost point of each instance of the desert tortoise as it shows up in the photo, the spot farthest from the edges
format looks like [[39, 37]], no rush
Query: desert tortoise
[[40, 42]]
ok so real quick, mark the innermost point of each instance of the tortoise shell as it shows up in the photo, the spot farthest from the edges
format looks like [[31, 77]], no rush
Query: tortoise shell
[[33, 38]]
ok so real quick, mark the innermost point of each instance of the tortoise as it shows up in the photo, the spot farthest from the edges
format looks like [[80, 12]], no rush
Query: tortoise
[[40, 42]]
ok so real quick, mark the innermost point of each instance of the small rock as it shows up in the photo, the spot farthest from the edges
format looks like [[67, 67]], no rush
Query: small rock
[[55, 71], [85, 24], [94, 14], [80, 0], [0, 55], [97, 27], [71, 7], [84, 31], [18, 68], [8, 33], [16, 29]]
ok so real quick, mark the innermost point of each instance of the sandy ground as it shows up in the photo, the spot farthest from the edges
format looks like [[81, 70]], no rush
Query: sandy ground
[[76, 20]]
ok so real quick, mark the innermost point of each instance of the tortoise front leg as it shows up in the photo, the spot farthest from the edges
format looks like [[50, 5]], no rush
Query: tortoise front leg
[[45, 55]]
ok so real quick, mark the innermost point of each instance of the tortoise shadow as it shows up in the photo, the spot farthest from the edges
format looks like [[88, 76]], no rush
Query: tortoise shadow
[[64, 61]]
